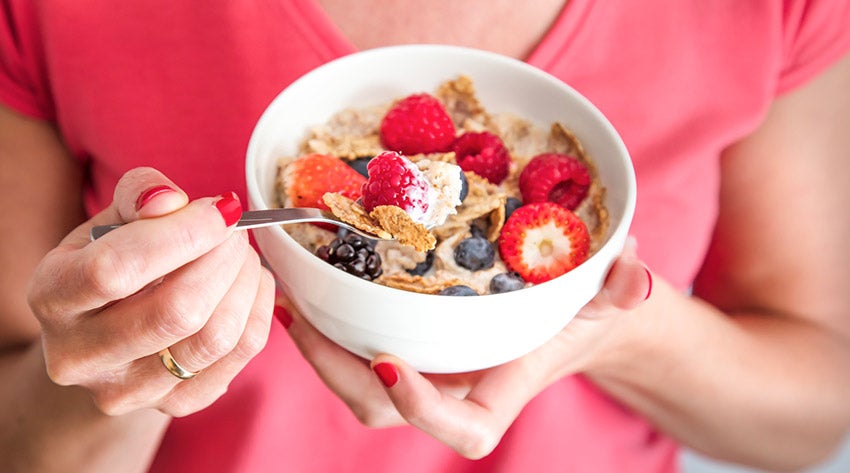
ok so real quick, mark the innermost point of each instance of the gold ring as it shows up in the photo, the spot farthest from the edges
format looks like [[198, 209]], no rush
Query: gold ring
[[173, 367]]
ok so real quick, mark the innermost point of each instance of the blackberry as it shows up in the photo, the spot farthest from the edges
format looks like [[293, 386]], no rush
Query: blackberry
[[352, 254], [459, 290], [423, 267], [475, 253], [506, 282]]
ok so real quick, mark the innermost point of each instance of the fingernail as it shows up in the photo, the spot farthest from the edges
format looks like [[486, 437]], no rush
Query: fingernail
[[649, 278], [149, 194], [283, 315], [387, 373], [229, 207]]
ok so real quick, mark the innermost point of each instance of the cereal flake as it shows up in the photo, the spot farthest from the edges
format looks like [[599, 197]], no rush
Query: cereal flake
[[353, 214], [398, 223]]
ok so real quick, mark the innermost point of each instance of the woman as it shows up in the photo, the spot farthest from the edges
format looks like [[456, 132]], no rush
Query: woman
[[731, 112]]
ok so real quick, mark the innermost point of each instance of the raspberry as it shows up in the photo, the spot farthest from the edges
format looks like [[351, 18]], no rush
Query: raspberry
[[484, 154], [395, 180], [542, 241], [417, 124], [311, 176], [556, 178]]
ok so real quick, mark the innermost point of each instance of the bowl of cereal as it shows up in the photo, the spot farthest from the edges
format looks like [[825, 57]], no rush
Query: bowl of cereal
[[498, 180]]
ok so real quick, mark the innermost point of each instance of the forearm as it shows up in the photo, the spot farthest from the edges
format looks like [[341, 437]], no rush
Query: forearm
[[48, 428], [759, 389]]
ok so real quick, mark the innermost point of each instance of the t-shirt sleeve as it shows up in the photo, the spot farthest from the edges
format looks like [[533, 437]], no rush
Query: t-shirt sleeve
[[816, 34], [19, 83]]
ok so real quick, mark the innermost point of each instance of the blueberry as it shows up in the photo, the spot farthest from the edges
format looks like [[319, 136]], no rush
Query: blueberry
[[506, 282], [464, 186], [360, 164], [475, 253], [510, 205], [424, 266], [458, 291]]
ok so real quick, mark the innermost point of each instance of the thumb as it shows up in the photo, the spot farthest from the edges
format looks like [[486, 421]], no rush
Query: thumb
[[629, 282], [140, 193], [144, 193]]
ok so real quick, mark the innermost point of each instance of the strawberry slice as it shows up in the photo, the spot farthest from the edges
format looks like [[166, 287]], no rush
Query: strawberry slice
[[542, 241], [309, 177]]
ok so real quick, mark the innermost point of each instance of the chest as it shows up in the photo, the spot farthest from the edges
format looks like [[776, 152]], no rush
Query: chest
[[503, 26]]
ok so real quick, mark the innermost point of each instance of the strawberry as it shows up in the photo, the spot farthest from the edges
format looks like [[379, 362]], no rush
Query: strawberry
[[556, 178], [484, 154], [309, 177], [542, 241], [395, 180], [417, 124]]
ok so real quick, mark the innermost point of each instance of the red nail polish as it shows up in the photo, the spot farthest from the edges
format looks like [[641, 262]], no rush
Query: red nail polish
[[229, 207], [387, 373], [283, 315], [149, 194], [649, 278]]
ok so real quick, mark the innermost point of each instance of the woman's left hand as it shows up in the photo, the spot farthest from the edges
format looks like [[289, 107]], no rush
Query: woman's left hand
[[470, 412]]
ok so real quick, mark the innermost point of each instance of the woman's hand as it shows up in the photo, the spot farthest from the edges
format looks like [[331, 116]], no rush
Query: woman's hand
[[178, 276], [470, 412]]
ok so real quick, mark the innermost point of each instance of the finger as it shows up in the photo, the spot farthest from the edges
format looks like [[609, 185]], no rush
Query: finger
[[140, 193], [199, 392], [471, 426], [146, 383], [152, 195], [344, 373], [146, 193], [162, 315], [224, 328], [628, 283], [127, 259]]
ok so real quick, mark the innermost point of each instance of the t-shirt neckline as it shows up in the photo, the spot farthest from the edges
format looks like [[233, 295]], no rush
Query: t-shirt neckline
[[554, 43]]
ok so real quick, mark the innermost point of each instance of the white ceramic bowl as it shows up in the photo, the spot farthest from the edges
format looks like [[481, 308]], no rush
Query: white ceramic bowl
[[433, 333]]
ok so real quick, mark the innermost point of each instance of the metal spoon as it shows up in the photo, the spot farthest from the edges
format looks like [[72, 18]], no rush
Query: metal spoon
[[265, 218]]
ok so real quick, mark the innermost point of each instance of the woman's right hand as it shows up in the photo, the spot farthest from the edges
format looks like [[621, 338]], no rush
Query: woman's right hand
[[177, 276]]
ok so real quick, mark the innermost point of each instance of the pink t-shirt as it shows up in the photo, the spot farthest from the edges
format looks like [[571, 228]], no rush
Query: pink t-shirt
[[178, 85]]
